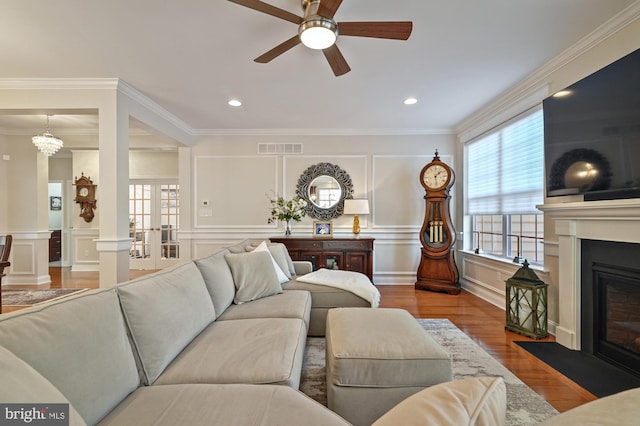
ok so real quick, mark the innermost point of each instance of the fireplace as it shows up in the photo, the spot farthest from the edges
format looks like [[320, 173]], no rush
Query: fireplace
[[610, 305], [607, 220]]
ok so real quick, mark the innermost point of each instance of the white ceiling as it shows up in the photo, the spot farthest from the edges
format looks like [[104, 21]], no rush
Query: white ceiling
[[191, 56]]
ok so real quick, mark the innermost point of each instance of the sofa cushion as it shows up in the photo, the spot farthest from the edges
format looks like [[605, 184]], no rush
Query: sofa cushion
[[382, 348], [80, 345], [164, 312], [323, 299], [328, 297], [288, 304], [253, 276], [282, 276], [21, 384], [618, 409], [253, 351], [217, 276], [480, 401], [204, 405]]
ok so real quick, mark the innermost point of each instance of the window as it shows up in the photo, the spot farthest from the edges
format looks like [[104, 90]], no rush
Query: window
[[504, 183]]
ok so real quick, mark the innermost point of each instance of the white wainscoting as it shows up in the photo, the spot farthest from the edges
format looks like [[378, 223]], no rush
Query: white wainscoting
[[85, 255], [29, 257]]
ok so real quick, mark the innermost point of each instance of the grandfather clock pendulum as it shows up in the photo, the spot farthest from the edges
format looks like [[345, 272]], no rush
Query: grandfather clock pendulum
[[437, 270]]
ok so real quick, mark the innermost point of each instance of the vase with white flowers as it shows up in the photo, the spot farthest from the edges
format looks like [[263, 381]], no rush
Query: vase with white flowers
[[287, 211]]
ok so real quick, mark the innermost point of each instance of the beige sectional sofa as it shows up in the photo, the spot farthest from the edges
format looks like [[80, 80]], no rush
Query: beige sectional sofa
[[194, 344]]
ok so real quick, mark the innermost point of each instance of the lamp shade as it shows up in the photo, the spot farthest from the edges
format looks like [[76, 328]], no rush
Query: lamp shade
[[356, 206]]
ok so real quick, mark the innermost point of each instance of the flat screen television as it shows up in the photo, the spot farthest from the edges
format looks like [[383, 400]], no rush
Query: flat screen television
[[592, 134]]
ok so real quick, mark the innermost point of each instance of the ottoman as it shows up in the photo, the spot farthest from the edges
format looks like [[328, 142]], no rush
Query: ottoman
[[376, 358]]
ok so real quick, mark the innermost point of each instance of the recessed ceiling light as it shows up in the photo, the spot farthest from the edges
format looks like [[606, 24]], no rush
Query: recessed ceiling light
[[234, 103], [410, 101], [562, 93]]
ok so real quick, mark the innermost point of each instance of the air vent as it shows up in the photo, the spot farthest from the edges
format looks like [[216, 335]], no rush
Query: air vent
[[279, 148]]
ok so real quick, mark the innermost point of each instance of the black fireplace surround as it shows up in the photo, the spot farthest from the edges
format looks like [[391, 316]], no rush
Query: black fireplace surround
[[610, 302]]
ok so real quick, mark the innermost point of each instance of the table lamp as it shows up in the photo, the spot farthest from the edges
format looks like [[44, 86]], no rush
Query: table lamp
[[356, 207]]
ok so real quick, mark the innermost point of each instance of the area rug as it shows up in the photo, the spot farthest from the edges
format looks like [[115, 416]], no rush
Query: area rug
[[524, 406], [36, 296], [595, 375]]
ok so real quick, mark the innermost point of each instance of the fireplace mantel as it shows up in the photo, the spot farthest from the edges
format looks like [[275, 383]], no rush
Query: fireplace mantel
[[610, 220]]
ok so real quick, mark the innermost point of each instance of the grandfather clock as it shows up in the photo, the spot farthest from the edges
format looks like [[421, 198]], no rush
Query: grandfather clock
[[437, 270]]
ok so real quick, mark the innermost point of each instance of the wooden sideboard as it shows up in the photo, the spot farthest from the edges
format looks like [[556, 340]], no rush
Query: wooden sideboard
[[349, 254]]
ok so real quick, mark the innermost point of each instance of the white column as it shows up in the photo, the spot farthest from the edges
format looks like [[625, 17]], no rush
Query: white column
[[113, 243], [568, 329], [27, 213], [186, 203]]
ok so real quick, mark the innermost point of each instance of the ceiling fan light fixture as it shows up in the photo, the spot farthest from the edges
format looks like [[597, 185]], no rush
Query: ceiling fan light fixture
[[318, 33]]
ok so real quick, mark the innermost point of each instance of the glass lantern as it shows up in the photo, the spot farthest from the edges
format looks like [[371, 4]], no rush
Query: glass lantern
[[526, 303]]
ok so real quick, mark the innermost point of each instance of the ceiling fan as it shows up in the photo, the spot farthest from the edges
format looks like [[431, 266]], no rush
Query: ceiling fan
[[318, 30]]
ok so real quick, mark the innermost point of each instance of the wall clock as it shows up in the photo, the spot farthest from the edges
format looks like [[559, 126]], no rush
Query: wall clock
[[437, 270], [86, 197]]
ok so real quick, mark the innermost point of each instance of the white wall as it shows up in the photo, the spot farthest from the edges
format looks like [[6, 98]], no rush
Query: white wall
[[229, 173], [153, 165]]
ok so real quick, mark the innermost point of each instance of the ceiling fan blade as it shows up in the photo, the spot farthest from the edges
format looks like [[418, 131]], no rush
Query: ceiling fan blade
[[336, 60], [278, 50], [328, 8], [392, 30], [269, 10]]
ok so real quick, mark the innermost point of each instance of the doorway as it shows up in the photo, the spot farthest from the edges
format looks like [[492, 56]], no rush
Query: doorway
[[55, 223], [154, 213]]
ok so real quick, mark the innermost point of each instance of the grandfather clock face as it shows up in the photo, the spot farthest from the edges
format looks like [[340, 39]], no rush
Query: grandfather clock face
[[435, 176]]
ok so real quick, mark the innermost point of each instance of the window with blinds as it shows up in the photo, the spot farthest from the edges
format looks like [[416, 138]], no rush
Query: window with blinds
[[504, 183]]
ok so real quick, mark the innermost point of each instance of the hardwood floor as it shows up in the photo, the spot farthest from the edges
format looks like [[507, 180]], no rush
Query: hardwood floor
[[484, 323], [480, 320]]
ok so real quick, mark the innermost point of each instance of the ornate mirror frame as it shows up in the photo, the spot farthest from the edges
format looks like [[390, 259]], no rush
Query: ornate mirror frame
[[325, 169]]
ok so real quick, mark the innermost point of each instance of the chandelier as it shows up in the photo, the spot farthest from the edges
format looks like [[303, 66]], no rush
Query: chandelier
[[46, 142]]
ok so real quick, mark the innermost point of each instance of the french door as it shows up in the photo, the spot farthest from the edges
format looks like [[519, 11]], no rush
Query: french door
[[154, 213]]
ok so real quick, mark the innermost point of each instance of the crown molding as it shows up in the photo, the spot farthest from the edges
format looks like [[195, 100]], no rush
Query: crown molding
[[133, 93], [322, 132], [59, 83], [534, 84]]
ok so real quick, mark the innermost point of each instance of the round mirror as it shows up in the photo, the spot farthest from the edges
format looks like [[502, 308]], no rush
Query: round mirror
[[324, 186], [324, 192]]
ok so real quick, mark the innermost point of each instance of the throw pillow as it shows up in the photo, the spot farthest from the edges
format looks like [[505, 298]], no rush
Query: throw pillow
[[282, 276], [471, 401], [253, 275], [281, 255]]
